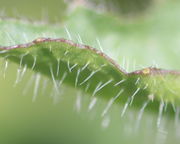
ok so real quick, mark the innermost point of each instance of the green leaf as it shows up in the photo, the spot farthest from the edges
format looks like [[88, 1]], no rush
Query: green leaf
[[116, 38], [64, 61], [143, 41], [92, 71]]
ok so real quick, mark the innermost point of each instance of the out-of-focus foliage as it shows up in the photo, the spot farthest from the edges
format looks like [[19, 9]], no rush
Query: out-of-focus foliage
[[22, 121], [39, 10], [123, 7]]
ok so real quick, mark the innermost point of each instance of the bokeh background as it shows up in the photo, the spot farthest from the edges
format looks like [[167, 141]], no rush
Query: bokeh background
[[43, 121]]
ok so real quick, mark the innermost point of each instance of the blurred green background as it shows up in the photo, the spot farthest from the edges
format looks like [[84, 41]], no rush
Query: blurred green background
[[55, 10], [34, 9], [23, 121]]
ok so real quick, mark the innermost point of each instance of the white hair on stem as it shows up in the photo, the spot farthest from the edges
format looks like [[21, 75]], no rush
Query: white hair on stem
[[36, 86], [111, 101]]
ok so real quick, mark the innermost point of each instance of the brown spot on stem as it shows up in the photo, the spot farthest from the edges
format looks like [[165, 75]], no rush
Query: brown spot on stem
[[146, 71]]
